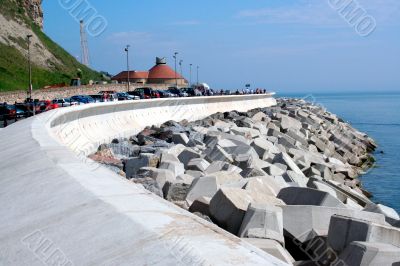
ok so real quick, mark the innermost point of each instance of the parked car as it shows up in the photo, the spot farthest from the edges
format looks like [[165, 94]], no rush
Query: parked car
[[166, 94], [145, 93], [192, 92], [178, 92], [64, 102], [82, 99], [124, 96], [9, 111], [47, 105]]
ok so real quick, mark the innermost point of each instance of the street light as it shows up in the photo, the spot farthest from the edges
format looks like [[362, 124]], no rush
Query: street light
[[30, 66], [127, 64], [180, 65], [198, 75], [176, 79], [190, 80]]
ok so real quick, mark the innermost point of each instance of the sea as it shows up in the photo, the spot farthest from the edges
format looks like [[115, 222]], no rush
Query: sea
[[378, 115]]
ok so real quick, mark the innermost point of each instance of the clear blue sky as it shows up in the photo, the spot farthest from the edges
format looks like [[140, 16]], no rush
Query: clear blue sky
[[288, 46]]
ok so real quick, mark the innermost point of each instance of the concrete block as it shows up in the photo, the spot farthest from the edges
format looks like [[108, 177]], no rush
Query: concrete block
[[308, 196], [385, 210], [202, 187], [261, 185], [185, 178], [344, 230], [248, 133], [225, 177], [260, 116], [198, 164], [274, 170], [365, 254], [284, 158], [194, 174], [263, 221], [273, 248], [305, 222], [228, 208]]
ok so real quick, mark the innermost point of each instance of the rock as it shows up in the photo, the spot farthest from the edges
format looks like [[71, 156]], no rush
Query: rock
[[228, 207], [198, 164], [344, 230], [225, 177], [308, 196], [303, 223], [288, 122], [252, 172], [217, 166], [274, 170], [176, 168], [180, 138], [194, 173], [175, 191], [365, 253], [262, 146], [161, 176], [273, 248], [132, 166], [219, 154], [248, 133], [201, 205], [185, 179], [149, 184], [299, 179], [202, 187], [260, 116], [262, 221], [187, 154]]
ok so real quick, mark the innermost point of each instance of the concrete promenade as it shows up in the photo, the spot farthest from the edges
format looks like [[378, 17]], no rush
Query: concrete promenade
[[59, 206]]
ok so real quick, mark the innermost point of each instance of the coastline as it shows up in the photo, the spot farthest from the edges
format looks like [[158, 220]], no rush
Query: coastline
[[275, 160]]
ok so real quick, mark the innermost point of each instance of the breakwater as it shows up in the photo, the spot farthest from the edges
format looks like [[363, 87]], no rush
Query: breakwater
[[284, 176]]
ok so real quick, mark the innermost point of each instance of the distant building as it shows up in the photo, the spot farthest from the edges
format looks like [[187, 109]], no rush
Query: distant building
[[161, 73]]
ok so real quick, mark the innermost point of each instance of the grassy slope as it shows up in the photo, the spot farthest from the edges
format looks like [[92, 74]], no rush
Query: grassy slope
[[13, 64]]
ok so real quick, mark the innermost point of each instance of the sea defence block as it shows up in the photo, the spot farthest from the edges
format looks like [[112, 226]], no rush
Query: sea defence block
[[308, 196], [365, 253], [48, 184], [305, 222], [344, 230]]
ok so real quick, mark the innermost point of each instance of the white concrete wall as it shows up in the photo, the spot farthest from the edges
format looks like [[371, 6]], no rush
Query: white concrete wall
[[57, 203]]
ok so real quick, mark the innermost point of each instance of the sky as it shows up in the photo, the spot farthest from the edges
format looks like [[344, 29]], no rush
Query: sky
[[285, 46]]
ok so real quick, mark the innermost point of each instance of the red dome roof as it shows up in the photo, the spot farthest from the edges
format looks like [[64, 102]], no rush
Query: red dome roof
[[163, 71]]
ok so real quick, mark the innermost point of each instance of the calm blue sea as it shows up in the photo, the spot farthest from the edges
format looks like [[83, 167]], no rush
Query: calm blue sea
[[378, 115]]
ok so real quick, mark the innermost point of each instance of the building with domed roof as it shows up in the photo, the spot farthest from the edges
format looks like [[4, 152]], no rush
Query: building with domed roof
[[161, 73]]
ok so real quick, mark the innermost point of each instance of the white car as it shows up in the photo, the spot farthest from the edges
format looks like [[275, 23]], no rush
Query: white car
[[65, 102]]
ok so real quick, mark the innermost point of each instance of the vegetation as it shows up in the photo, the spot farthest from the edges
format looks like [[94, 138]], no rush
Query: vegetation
[[14, 69]]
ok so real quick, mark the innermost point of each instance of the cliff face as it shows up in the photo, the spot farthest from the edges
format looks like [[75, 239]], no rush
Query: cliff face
[[34, 11], [51, 63]]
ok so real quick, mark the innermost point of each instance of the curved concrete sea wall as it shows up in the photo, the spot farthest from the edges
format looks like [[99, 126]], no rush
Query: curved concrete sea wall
[[59, 208]]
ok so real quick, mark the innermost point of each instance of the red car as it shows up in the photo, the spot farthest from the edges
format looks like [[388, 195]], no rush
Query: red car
[[47, 105]]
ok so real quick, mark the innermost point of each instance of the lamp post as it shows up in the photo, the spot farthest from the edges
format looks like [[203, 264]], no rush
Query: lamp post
[[127, 65], [30, 66], [180, 65], [190, 79], [176, 79], [198, 75]]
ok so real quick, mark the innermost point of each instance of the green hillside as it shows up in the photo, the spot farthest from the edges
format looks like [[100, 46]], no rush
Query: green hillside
[[13, 64]]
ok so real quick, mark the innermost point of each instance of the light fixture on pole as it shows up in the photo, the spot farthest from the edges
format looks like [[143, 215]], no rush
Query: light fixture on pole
[[198, 75], [176, 79], [190, 79], [30, 66], [180, 65], [127, 65]]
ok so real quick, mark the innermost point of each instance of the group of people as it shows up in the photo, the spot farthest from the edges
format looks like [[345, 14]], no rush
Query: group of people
[[251, 91]]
